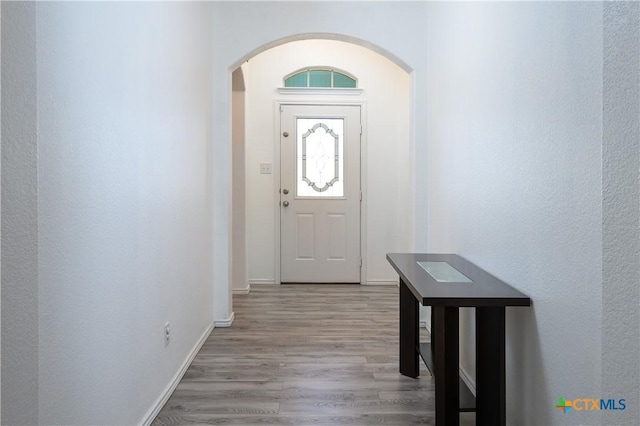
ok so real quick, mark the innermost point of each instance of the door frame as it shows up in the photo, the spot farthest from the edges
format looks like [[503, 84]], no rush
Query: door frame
[[363, 175]]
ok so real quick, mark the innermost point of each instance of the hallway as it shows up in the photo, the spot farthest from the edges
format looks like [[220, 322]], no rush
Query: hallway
[[304, 354], [119, 229]]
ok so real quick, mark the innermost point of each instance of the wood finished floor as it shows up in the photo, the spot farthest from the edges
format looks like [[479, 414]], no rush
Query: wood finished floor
[[304, 355]]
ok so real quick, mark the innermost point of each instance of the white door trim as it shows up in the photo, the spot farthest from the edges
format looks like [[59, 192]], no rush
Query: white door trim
[[363, 178]]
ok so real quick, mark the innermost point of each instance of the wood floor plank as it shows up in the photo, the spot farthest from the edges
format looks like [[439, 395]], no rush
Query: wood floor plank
[[198, 419], [408, 395], [211, 406], [353, 407], [188, 397], [304, 355]]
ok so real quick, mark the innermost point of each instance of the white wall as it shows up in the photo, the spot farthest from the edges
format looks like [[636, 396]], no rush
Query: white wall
[[0, 220], [19, 216], [239, 241], [621, 207], [123, 205], [386, 91], [515, 185]]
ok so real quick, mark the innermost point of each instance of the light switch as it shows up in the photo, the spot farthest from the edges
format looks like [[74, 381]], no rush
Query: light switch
[[265, 168]]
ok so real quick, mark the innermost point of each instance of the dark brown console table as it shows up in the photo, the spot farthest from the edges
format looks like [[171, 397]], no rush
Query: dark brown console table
[[447, 282]]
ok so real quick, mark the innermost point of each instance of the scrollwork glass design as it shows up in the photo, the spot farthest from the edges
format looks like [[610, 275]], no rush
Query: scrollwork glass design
[[320, 161]]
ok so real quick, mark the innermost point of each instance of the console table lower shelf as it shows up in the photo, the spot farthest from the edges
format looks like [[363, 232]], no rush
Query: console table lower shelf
[[467, 400]]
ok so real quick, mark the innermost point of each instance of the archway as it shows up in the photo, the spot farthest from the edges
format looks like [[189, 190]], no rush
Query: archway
[[238, 40], [383, 95]]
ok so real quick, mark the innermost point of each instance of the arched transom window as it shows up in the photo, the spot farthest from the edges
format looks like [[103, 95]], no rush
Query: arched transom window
[[320, 77]]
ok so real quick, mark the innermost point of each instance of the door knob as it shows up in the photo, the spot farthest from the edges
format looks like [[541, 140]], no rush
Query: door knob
[[285, 203]]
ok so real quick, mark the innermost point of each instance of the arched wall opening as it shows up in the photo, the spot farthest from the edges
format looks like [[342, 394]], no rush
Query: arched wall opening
[[325, 36], [384, 96], [237, 40]]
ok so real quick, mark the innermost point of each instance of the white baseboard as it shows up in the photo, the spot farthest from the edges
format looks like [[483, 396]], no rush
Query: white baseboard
[[225, 322], [259, 281], [245, 290], [468, 380], [164, 396], [466, 377], [262, 281], [381, 282]]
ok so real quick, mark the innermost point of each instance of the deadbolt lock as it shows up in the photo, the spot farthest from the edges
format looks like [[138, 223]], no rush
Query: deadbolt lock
[[285, 191], [285, 134]]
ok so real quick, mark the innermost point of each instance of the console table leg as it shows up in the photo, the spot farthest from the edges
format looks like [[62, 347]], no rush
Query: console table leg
[[408, 332], [446, 364], [490, 367], [433, 339]]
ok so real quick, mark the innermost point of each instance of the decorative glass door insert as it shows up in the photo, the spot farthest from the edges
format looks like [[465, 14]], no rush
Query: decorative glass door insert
[[320, 157]]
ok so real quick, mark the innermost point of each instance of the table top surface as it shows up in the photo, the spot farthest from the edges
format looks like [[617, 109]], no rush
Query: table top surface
[[480, 289]]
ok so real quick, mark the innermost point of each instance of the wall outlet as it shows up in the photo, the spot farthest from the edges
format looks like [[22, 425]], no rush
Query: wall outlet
[[167, 333], [265, 168]]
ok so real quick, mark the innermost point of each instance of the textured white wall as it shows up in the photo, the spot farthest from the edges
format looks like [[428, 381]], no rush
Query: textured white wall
[[387, 96], [621, 209], [515, 184], [0, 217], [124, 127], [19, 216]]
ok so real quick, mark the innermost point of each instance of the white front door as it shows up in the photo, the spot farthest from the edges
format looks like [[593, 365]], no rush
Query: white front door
[[320, 193]]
